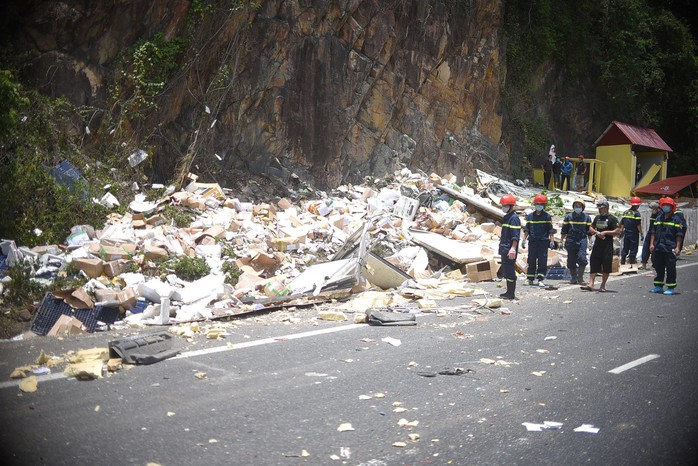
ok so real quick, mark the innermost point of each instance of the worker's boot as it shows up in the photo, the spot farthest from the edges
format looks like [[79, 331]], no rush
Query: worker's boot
[[511, 287], [580, 276], [573, 280]]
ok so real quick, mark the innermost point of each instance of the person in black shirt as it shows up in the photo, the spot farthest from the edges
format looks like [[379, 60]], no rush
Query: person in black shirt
[[547, 172], [604, 228]]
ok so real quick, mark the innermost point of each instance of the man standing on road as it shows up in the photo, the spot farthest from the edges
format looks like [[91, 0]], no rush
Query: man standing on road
[[665, 245], [539, 226], [646, 244], [575, 229], [604, 228], [509, 244], [631, 224]]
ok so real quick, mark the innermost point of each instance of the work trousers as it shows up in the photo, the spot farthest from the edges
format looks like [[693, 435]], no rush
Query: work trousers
[[664, 262], [508, 268], [546, 180], [562, 183], [577, 255], [537, 259], [630, 245], [646, 249]]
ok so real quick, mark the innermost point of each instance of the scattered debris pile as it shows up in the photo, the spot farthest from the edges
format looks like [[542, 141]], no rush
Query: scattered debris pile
[[395, 243]]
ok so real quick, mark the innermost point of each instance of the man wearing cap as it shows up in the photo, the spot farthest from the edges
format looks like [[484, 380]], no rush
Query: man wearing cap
[[539, 226], [566, 170], [604, 227], [665, 245], [646, 244], [575, 229], [630, 226], [581, 174]]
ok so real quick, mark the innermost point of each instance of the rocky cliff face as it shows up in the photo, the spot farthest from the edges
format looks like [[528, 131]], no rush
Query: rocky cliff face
[[330, 90]]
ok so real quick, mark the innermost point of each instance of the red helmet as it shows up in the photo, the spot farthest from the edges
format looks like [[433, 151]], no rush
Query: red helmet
[[635, 200], [667, 201], [540, 199], [507, 199], [581, 157]]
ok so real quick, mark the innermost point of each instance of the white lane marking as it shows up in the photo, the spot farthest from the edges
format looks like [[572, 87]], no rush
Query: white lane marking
[[218, 349], [266, 341], [634, 363]]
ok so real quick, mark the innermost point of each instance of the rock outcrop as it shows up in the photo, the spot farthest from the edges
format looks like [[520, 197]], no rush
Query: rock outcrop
[[332, 91]]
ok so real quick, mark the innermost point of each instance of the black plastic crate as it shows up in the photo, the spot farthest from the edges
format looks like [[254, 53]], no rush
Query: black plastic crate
[[558, 273], [51, 309]]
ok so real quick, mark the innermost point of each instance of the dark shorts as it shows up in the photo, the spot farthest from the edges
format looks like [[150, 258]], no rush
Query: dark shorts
[[601, 260]]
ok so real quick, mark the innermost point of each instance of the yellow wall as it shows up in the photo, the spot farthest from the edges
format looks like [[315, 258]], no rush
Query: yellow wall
[[618, 174]]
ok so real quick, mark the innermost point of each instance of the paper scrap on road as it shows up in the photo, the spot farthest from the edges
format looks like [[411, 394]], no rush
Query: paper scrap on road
[[588, 428], [535, 427], [392, 341], [345, 427], [550, 338]]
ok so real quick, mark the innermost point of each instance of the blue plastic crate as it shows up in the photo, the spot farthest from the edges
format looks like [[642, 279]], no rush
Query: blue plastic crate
[[67, 174], [3, 265]]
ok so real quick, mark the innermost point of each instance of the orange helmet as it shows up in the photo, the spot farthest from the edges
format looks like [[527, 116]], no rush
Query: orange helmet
[[507, 199], [540, 199], [635, 200], [667, 201]]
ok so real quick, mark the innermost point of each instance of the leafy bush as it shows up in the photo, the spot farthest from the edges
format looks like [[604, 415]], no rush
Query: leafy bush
[[232, 272], [189, 268]]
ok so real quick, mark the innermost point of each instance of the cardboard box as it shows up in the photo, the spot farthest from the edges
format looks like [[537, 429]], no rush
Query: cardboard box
[[482, 271], [127, 298], [115, 268], [92, 267], [289, 243], [615, 266], [66, 324]]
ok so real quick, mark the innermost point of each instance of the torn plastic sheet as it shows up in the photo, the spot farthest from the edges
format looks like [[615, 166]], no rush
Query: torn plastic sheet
[[317, 277]]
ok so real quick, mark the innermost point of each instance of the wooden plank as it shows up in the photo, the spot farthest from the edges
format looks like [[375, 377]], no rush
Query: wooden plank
[[482, 206], [460, 252]]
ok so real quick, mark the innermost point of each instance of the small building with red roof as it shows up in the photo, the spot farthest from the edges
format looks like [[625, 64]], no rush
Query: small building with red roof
[[627, 158]]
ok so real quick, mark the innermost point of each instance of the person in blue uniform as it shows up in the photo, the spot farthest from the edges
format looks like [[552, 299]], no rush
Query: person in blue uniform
[[509, 244], [566, 171], [539, 228], [645, 256], [665, 246], [630, 228], [574, 235], [604, 227]]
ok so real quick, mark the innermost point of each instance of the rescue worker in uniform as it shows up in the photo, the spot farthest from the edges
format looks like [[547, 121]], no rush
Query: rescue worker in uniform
[[682, 221], [509, 244], [575, 230], [539, 226], [630, 228], [646, 244], [665, 245], [604, 227]]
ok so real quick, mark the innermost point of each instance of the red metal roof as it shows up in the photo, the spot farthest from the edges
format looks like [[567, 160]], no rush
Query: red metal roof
[[623, 133], [669, 186]]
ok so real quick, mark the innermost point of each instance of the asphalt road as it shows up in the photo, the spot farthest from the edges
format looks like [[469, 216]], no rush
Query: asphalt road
[[279, 387]]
